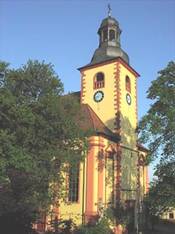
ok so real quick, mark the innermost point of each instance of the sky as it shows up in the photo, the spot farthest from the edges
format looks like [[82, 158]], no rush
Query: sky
[[64, 33]]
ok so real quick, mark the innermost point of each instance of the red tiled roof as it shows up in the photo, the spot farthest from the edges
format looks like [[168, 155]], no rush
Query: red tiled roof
[[87, 119]]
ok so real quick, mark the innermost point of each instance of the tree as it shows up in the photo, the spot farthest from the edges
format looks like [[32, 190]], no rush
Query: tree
[[162, 191], [39, 134], [157, 129]]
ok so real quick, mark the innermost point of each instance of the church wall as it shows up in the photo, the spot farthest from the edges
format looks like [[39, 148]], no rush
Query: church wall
[[129, 174], [92, 177], [69, 210], [104, 109], [98, 176], [96, 173], [101, 160], [128, 112], [92, 185], [109, 181]]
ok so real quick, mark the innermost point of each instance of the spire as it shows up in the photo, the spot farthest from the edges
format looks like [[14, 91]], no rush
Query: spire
[[109, 10]]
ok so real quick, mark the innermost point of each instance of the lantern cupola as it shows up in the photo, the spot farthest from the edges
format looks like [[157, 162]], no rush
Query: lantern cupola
[[109, 41]]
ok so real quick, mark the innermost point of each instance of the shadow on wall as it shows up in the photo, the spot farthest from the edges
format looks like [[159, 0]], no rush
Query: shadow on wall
[[129, 158], [130, 186]]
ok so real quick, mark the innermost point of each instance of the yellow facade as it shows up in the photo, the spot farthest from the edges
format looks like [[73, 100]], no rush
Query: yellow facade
[[105, 109], [74, 210], [128, 112]]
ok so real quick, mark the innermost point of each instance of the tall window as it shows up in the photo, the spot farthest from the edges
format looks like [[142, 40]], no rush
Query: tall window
[[111, 35], [99, 80], [73, 183], [128, 84], [105, 35], [171, 215]]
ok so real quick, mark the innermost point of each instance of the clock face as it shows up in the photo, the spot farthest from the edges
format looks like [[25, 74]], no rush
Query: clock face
[[98, 96], [128, 99]]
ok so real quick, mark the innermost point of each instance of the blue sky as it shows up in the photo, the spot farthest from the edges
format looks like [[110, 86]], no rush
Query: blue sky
[[65, 34]]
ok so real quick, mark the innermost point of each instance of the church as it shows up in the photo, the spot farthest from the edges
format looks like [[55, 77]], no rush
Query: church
[[114, 168]]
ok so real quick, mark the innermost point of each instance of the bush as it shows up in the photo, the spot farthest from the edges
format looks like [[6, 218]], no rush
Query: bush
[[62, 227], [102, 227]]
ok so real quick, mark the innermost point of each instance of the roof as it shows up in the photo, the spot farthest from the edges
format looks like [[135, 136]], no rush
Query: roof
[[109, 52], [109, 20], [88, 66], [87, 119], [91, 121], [142, 148]]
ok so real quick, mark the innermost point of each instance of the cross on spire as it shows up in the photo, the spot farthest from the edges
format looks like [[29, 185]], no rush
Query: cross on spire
[[109, 10]]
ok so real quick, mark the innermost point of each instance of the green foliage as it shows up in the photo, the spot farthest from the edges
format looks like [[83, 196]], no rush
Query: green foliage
[[120, 215], [62, 226], [157, 127], [111, 217], [39, 134], [162, 191], [101, 227]]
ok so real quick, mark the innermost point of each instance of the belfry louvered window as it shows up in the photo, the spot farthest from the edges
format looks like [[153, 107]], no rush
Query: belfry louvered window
[[105, 35], [128, 84], [112, 35], [99, 80]]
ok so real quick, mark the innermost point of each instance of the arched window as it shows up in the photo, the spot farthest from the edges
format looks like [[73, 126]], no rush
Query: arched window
[[128, 84], [171, 215], [99, 80], [111, 35], [141, 160], [105, 35]]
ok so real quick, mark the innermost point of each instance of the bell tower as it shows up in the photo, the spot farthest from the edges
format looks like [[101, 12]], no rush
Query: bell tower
[[108, 83]]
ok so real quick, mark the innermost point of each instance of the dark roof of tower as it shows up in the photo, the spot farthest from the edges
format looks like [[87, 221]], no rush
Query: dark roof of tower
[[108, 53], [109, 20]]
